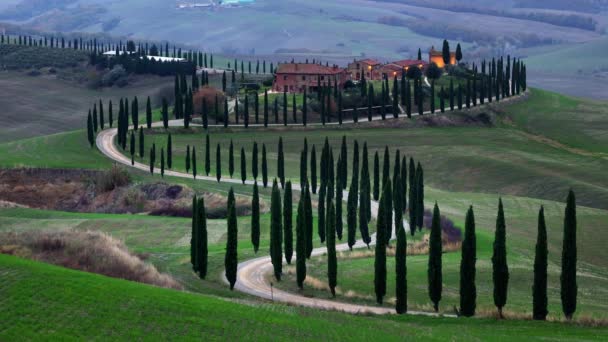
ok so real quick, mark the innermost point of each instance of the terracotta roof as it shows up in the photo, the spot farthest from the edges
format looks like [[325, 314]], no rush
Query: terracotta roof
[[434, 52], [308, 69], [409, 62], [369, 61], [392, 66]]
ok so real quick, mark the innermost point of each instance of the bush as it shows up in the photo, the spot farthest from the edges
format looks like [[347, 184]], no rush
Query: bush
[[117, 75], [268, 82], [114, 178], [209, 94]]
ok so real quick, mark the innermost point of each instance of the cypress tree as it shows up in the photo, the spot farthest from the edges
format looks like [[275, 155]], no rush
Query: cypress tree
[[500, 270], [419, 196], [90, 133], [388, 207], [445, 52], [94, 120], [169, 151], [165, 113], [288, 222], [351, 216], [194, 233], [207, 155], [404, 180], [132, 146], [313, 169], [343, 166], [148, 113], [255, 218], [201, 240], [243, 165], [468, 291], [432, 98], [309, 223], [332, 262], [110, 114], [376, 176], [265, 108], [370, 102], [254, 161], [321, 212], [194, 162], [539, 289], [380, 255], [276, 241], [451, 94], [218, 163], [231, 258], [231, 159], [412, 197], [385, 167], [569, 255], [101, 118], [284, 108], [281, 164], [401, 270], [135, 113], [294, 109], [435, 273], [338, 207], [141, 143], [304, 109], [152, 158], [188, 159], [301, 242], [264, 166]]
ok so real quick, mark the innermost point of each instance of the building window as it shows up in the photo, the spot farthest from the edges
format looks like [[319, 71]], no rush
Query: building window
[[303, 78], [322, 78], [358, 66], [284, 78], [285, 88]]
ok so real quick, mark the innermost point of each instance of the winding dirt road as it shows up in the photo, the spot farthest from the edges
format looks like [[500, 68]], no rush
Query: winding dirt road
[[251, 275]]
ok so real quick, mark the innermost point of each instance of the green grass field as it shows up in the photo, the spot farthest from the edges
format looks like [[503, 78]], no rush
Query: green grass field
[[463, 166], [70, 305]]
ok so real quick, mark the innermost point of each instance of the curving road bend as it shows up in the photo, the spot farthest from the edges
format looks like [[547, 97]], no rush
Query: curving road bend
[[251, 275]]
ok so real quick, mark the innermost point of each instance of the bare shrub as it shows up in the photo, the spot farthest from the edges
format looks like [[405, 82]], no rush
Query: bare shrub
[[88, 251], [112, 179]]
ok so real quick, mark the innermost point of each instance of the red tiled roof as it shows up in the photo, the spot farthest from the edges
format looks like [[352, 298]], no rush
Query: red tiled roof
[[392, 66], [307, 69], [369, 61], [410, 62]]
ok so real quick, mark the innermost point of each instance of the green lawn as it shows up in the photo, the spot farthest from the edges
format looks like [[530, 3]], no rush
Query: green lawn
[[577, 123], [41, 301], [357, 275]]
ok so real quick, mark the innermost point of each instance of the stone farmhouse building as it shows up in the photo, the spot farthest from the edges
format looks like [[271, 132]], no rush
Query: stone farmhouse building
[[297, 77]]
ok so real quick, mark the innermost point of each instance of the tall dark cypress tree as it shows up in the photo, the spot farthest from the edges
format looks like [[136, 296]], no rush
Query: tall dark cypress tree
[[419, 196], [201, 240], [309, 223], [101, 116], [231, 159], [254, 161], [218, 163], [255, 218], [332, 261], [187, 159], [90, 133], [376, 176], [281, 164], [401, 270], [343, 166], [276, 231], [132, 147], [500, 270], [313, 169], [141, 143], [193, 234], [288, 222], [207, 155], [385, 167], [569, 286], [231, 257], [110, 114], [338, 207], [321, 212], [194, 162], [468, 291], [148, 113], [380, 255], [351, 216], [301, 242], [539, 289], [264, 166], [435, 275], [243, 165], [152, 158]]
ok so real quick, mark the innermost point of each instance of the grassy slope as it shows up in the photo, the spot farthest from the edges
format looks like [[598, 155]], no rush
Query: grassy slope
[[574, 122], [573, 58], [66, 304], [53, 105]]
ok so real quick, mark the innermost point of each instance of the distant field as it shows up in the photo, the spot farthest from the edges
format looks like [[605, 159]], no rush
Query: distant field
[[130, 311], [34, 106]]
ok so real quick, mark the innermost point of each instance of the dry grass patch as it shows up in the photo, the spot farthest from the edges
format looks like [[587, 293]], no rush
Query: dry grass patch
[[88, 251]]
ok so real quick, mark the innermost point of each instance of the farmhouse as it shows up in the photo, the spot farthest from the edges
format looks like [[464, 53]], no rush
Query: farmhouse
[[437, 57], [365, 67], [297, 77], [157, 58]]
